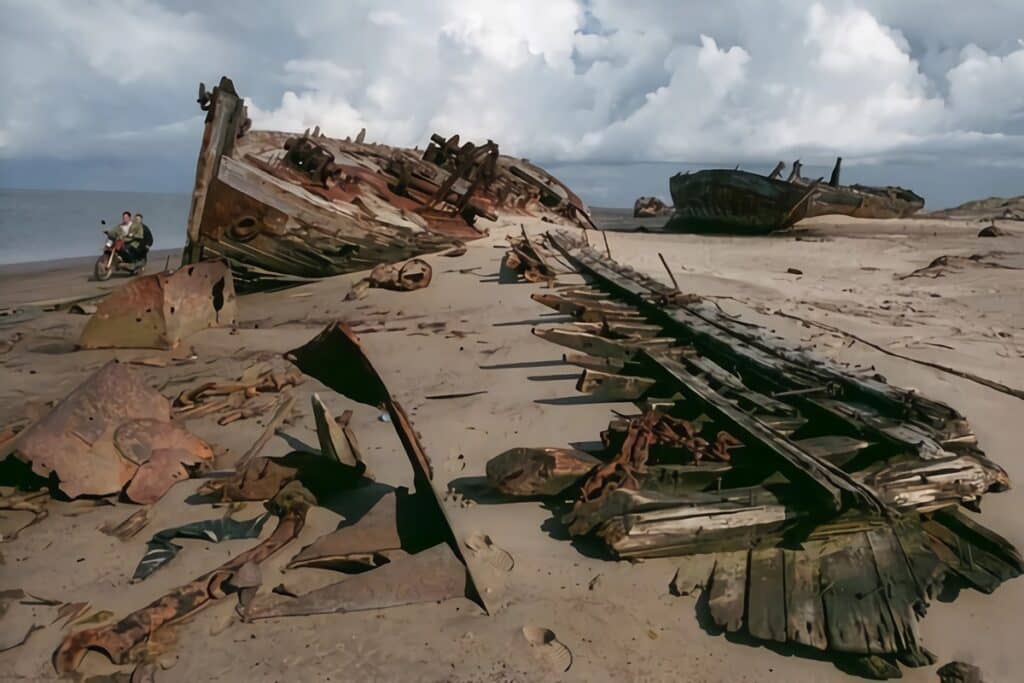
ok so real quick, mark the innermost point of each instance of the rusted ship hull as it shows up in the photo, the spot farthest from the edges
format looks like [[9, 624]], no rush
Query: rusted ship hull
[[740, 202], [726, 201], [281, 207]]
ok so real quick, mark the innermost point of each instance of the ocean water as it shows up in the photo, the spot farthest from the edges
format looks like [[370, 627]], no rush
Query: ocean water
[[41, 225]]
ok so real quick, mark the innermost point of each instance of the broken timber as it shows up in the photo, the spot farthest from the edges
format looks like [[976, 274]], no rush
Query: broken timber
[[835, 522]]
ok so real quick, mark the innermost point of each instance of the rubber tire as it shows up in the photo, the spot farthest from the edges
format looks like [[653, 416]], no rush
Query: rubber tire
[[100, 271]]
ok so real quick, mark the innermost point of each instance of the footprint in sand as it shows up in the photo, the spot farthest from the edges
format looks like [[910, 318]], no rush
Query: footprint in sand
[[481, 545], [544, 643]]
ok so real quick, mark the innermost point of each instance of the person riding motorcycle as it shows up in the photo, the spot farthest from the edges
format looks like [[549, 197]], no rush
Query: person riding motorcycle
[[138, 239]]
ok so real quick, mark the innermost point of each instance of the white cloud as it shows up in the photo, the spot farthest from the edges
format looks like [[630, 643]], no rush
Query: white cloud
[[550, 79]]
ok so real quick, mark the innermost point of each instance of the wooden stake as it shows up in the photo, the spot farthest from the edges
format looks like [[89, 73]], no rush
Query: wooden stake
[[669, 271], [606, 247]]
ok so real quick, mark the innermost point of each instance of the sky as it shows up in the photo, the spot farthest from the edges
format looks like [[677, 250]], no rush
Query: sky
[[611, 95]]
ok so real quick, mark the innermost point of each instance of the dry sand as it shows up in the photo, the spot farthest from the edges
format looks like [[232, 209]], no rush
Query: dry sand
[[626, 626]]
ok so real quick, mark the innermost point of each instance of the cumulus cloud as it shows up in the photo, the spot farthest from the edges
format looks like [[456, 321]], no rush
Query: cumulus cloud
[[554, 80]]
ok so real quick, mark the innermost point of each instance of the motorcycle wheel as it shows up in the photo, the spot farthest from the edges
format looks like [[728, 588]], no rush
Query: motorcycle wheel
[[103, 270]]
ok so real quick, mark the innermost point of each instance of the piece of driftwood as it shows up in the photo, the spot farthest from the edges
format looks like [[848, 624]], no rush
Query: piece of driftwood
[[117, 640], [538, 471]]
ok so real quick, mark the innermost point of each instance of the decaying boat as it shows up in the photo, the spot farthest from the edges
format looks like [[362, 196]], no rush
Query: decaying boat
[[741, 202], [284, 207]]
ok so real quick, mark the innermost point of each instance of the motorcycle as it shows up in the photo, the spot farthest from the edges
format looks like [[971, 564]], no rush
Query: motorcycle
[[117, 257]]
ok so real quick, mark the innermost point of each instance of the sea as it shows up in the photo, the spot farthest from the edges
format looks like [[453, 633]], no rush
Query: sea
[[43, 225]]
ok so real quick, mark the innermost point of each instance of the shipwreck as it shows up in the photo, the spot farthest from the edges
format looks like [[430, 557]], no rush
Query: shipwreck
[[281, 207], [741, 202], [815, 506]]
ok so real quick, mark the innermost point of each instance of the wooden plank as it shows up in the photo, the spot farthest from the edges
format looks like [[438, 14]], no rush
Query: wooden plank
[[805, 614], [827, 481], [899, 591], [766, 602], [836, 449], [858, 619], [583, 360], [612, 387], [727, 600], [599, 346], [733, 344]]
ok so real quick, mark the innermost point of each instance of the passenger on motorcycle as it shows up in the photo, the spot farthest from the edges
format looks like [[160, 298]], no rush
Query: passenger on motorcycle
[[138, 239]]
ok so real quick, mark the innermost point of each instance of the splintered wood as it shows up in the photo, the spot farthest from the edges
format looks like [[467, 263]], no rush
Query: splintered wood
[[829, 502]]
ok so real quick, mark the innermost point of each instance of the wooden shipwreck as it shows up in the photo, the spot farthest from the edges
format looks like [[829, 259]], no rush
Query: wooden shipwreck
[[282, 207], [741, 202], [817, 506]]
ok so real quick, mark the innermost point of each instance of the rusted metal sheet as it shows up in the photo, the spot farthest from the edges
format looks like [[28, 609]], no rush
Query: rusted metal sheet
[[281, 206], [431, 575], [336, 358], [538, 471], [111, 430], [158, 311]]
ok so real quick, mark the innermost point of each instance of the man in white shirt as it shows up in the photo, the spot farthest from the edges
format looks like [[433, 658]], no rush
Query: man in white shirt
[[126, 223]]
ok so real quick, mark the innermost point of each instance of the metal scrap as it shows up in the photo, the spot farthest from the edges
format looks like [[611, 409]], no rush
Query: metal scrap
[[118, 640], [107, 431], [160, 550], [405, 277], [285, 208], [431, 575], [238, 399], [360, 544], [159, 311]]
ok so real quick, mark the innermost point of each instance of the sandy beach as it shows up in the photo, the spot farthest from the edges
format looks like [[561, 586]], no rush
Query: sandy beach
[[470, 332]]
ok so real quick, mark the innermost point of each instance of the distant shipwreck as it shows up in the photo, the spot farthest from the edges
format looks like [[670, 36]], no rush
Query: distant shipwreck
[[741, 202], [283, 207]]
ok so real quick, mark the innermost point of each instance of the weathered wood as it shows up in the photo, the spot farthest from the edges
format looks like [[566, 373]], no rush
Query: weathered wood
[[899, 592], [595, 345], [858, 620], [805, 614], [611, 387], [727, 599], [836, 449], [828, 482], [766, 600], [630, 329], [687, 529], [594, 362]]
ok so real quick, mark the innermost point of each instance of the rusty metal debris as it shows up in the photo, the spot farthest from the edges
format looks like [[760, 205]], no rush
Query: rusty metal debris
[[129, 526], [650, 207], [283, 208], [742, 202], [791, 471], [238, 399], [430, 575], [111, 430], [118, 640], [528, 259], [159, 311], [400, 277], [336, 358], [362, 544]]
